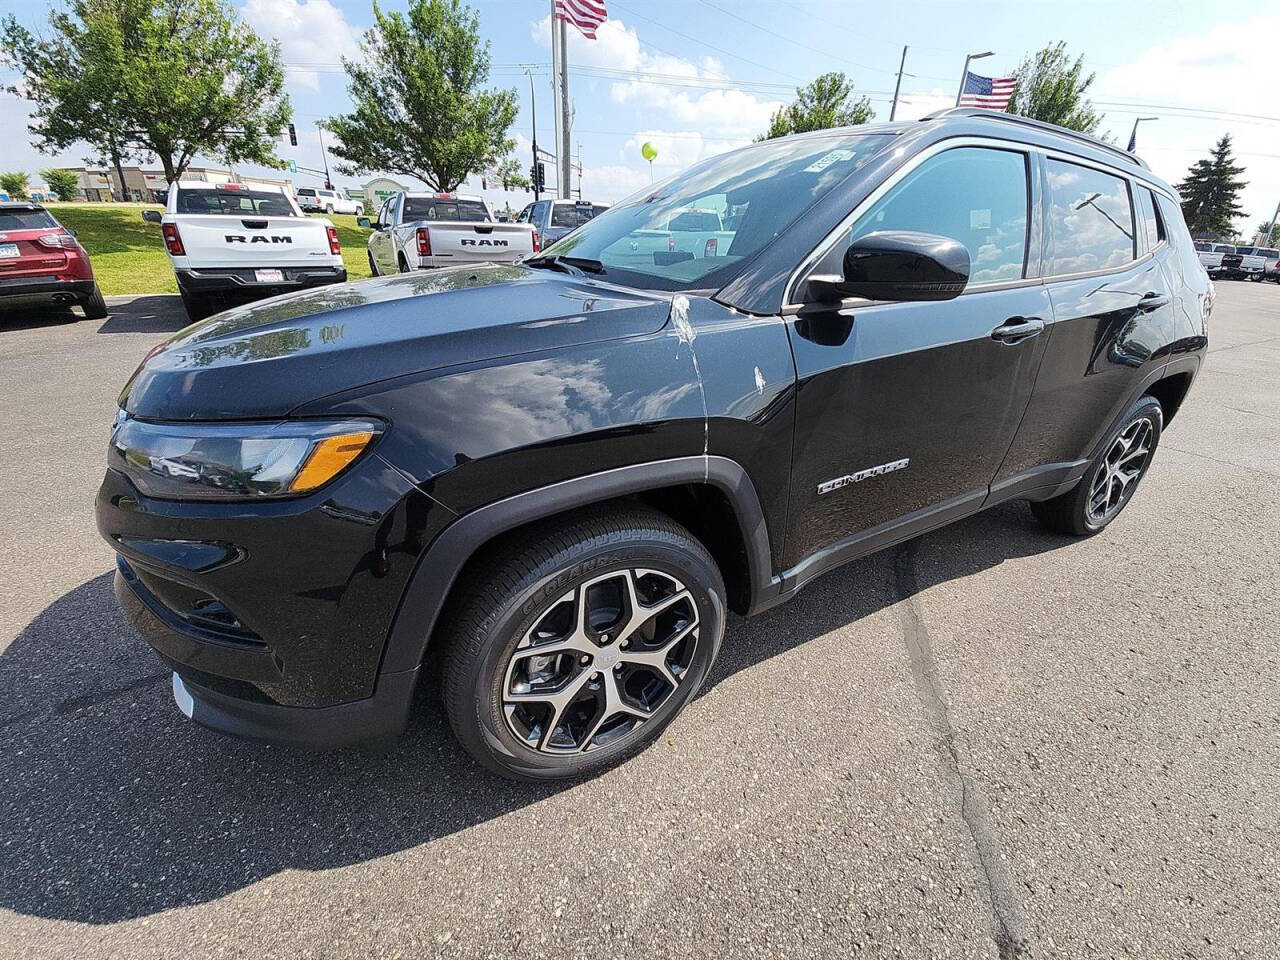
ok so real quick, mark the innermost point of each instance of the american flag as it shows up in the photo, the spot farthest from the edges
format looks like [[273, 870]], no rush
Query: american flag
[[987, 92], [586, 15]]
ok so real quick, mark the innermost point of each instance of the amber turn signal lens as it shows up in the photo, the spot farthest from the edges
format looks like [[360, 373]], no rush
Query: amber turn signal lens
[[328, 458]]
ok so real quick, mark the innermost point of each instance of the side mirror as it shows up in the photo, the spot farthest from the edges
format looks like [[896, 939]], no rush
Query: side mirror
[[151, 216], [899, 266], [364, 222]]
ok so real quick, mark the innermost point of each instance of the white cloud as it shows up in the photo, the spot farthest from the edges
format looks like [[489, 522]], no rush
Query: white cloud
[[722, 112], [1225, 67], [311, 32], [678, 149], [913, 106]]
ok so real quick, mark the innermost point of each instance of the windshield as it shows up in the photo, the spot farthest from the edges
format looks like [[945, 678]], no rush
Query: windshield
[[694, 229], [1266, 252], [1224, 248], [1246, 251], [235, 203], [25, 220], [306, 192], [429, 208]]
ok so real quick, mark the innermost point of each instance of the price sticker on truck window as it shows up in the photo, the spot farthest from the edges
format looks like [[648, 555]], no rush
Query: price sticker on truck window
[[827, 159], [979, 219]]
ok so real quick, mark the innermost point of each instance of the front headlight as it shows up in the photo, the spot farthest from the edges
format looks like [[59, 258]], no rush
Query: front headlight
[[199, 461]]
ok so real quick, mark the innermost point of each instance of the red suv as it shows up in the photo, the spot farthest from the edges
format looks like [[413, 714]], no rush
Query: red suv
[[41, 262]]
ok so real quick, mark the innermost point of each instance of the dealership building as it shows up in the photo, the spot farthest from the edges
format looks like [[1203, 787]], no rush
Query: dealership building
[[150, 186]]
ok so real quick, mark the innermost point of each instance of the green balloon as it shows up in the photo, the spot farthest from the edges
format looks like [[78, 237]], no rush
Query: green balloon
[[649, 151]]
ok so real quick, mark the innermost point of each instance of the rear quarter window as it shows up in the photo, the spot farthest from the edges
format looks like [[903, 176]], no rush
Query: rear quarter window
[[1090, 219]]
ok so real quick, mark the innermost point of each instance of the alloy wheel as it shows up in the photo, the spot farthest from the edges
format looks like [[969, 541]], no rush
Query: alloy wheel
[[600, 661], [1117, 475]]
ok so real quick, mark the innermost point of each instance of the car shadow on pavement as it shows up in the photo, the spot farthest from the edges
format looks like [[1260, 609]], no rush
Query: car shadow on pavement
[[115, 807], [33, 317], [153, 314]]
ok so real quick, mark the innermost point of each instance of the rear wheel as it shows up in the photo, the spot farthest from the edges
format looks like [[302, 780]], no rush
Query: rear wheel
[[1111, 479], [197, 306], [373, 267], [328, 208], [95, 308], [573, 650], [403, 263]]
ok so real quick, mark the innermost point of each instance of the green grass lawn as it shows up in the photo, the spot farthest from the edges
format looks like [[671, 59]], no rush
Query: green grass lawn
[[128, 253]]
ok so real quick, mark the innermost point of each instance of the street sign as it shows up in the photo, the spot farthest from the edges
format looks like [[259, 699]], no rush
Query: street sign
[[293, 166]]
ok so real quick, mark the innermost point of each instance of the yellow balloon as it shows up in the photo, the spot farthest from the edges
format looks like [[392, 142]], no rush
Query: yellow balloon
[[649, 151]]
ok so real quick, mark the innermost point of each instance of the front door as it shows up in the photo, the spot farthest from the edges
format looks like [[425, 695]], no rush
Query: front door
[[905, 410]]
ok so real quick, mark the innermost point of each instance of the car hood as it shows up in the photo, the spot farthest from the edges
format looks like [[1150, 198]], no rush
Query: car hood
[[266, 359]]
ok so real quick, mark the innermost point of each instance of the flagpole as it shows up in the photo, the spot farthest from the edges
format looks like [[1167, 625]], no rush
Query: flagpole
[[565, 160], [964, 74], [555, 86]]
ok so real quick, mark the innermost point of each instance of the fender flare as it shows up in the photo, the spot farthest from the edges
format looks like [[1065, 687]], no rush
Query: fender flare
[[438, 566]]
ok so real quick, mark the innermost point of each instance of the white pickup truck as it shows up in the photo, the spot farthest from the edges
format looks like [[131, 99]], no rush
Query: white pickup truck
[[233, 243], [1210, 255], [1249, 262], [419, 231]]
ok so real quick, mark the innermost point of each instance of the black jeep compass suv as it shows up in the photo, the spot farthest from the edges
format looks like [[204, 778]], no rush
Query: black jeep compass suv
[[541, 486]]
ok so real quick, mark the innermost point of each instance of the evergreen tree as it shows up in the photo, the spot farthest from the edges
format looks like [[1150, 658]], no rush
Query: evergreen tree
[[1210, 191]]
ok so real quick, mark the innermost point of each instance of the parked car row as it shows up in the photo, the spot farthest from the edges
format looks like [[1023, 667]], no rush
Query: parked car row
[[1228, 262]]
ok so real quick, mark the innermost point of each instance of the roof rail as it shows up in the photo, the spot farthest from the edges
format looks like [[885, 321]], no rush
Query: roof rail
[[978, 113]]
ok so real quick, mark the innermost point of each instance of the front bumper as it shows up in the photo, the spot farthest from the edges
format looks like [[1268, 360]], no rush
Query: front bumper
[[275, 614], [33, 291]]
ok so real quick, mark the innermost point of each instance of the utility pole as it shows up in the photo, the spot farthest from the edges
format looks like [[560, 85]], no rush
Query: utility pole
[[328, 184], [964, 74], [898, 86], [556, 53], [533, 110], [1271, 227], [579, 166], [564, 154]]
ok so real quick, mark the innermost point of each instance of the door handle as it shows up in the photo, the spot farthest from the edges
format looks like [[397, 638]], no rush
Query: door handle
[[1153, 301], [1017, 329]]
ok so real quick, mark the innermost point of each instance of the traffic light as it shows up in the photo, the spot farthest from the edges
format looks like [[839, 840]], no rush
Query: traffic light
[[542, 175], [293, 135]]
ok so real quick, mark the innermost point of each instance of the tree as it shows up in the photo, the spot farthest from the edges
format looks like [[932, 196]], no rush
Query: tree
[[827, 102], [14, 184], [1269, 233], [510, 175], [64, 183], [1052, 88], [1210, 191], [421, 109], [151, 78]]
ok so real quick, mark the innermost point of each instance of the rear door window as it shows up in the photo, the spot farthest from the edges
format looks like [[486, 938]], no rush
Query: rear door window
[[976, 195], [1090, 219], [1152, 227]]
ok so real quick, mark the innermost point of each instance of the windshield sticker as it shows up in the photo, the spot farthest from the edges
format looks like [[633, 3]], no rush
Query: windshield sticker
[[827, 160], [979, 219]]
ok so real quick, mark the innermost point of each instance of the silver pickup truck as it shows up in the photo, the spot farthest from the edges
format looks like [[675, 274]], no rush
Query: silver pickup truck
[[421, 231], [1211, 254], [1248, 262]]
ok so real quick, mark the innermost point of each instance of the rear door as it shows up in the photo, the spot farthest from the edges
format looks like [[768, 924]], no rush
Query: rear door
[[1112, 311], [905, 410], [234, 226]]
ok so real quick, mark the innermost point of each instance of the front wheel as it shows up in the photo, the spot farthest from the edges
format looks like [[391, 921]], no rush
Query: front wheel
[[1111, 479], [373, 266], [198, 307], [577, 646]]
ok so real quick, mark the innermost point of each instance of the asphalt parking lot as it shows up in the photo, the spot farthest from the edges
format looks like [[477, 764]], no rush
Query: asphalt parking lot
[[990, 742]]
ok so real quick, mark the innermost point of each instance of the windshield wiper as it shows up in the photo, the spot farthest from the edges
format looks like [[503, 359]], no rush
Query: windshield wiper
[[578, 265]]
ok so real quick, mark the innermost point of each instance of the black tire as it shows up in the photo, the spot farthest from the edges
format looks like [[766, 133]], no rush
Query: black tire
[[1255, 277], [1071, 512], [403, 264], [329, 209], [507, 595], [373, 267], [95, 308], [198, 307]]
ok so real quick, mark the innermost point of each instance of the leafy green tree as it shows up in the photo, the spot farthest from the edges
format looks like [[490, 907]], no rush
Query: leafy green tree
[[64, 183], [1052, 87], [1269, 233], [14, 184], [421, 107], [151, 78], [509, 173], [827, 102], [1211, 190]]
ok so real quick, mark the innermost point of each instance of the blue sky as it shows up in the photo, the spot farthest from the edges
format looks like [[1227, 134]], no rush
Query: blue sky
[[699, 76]]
